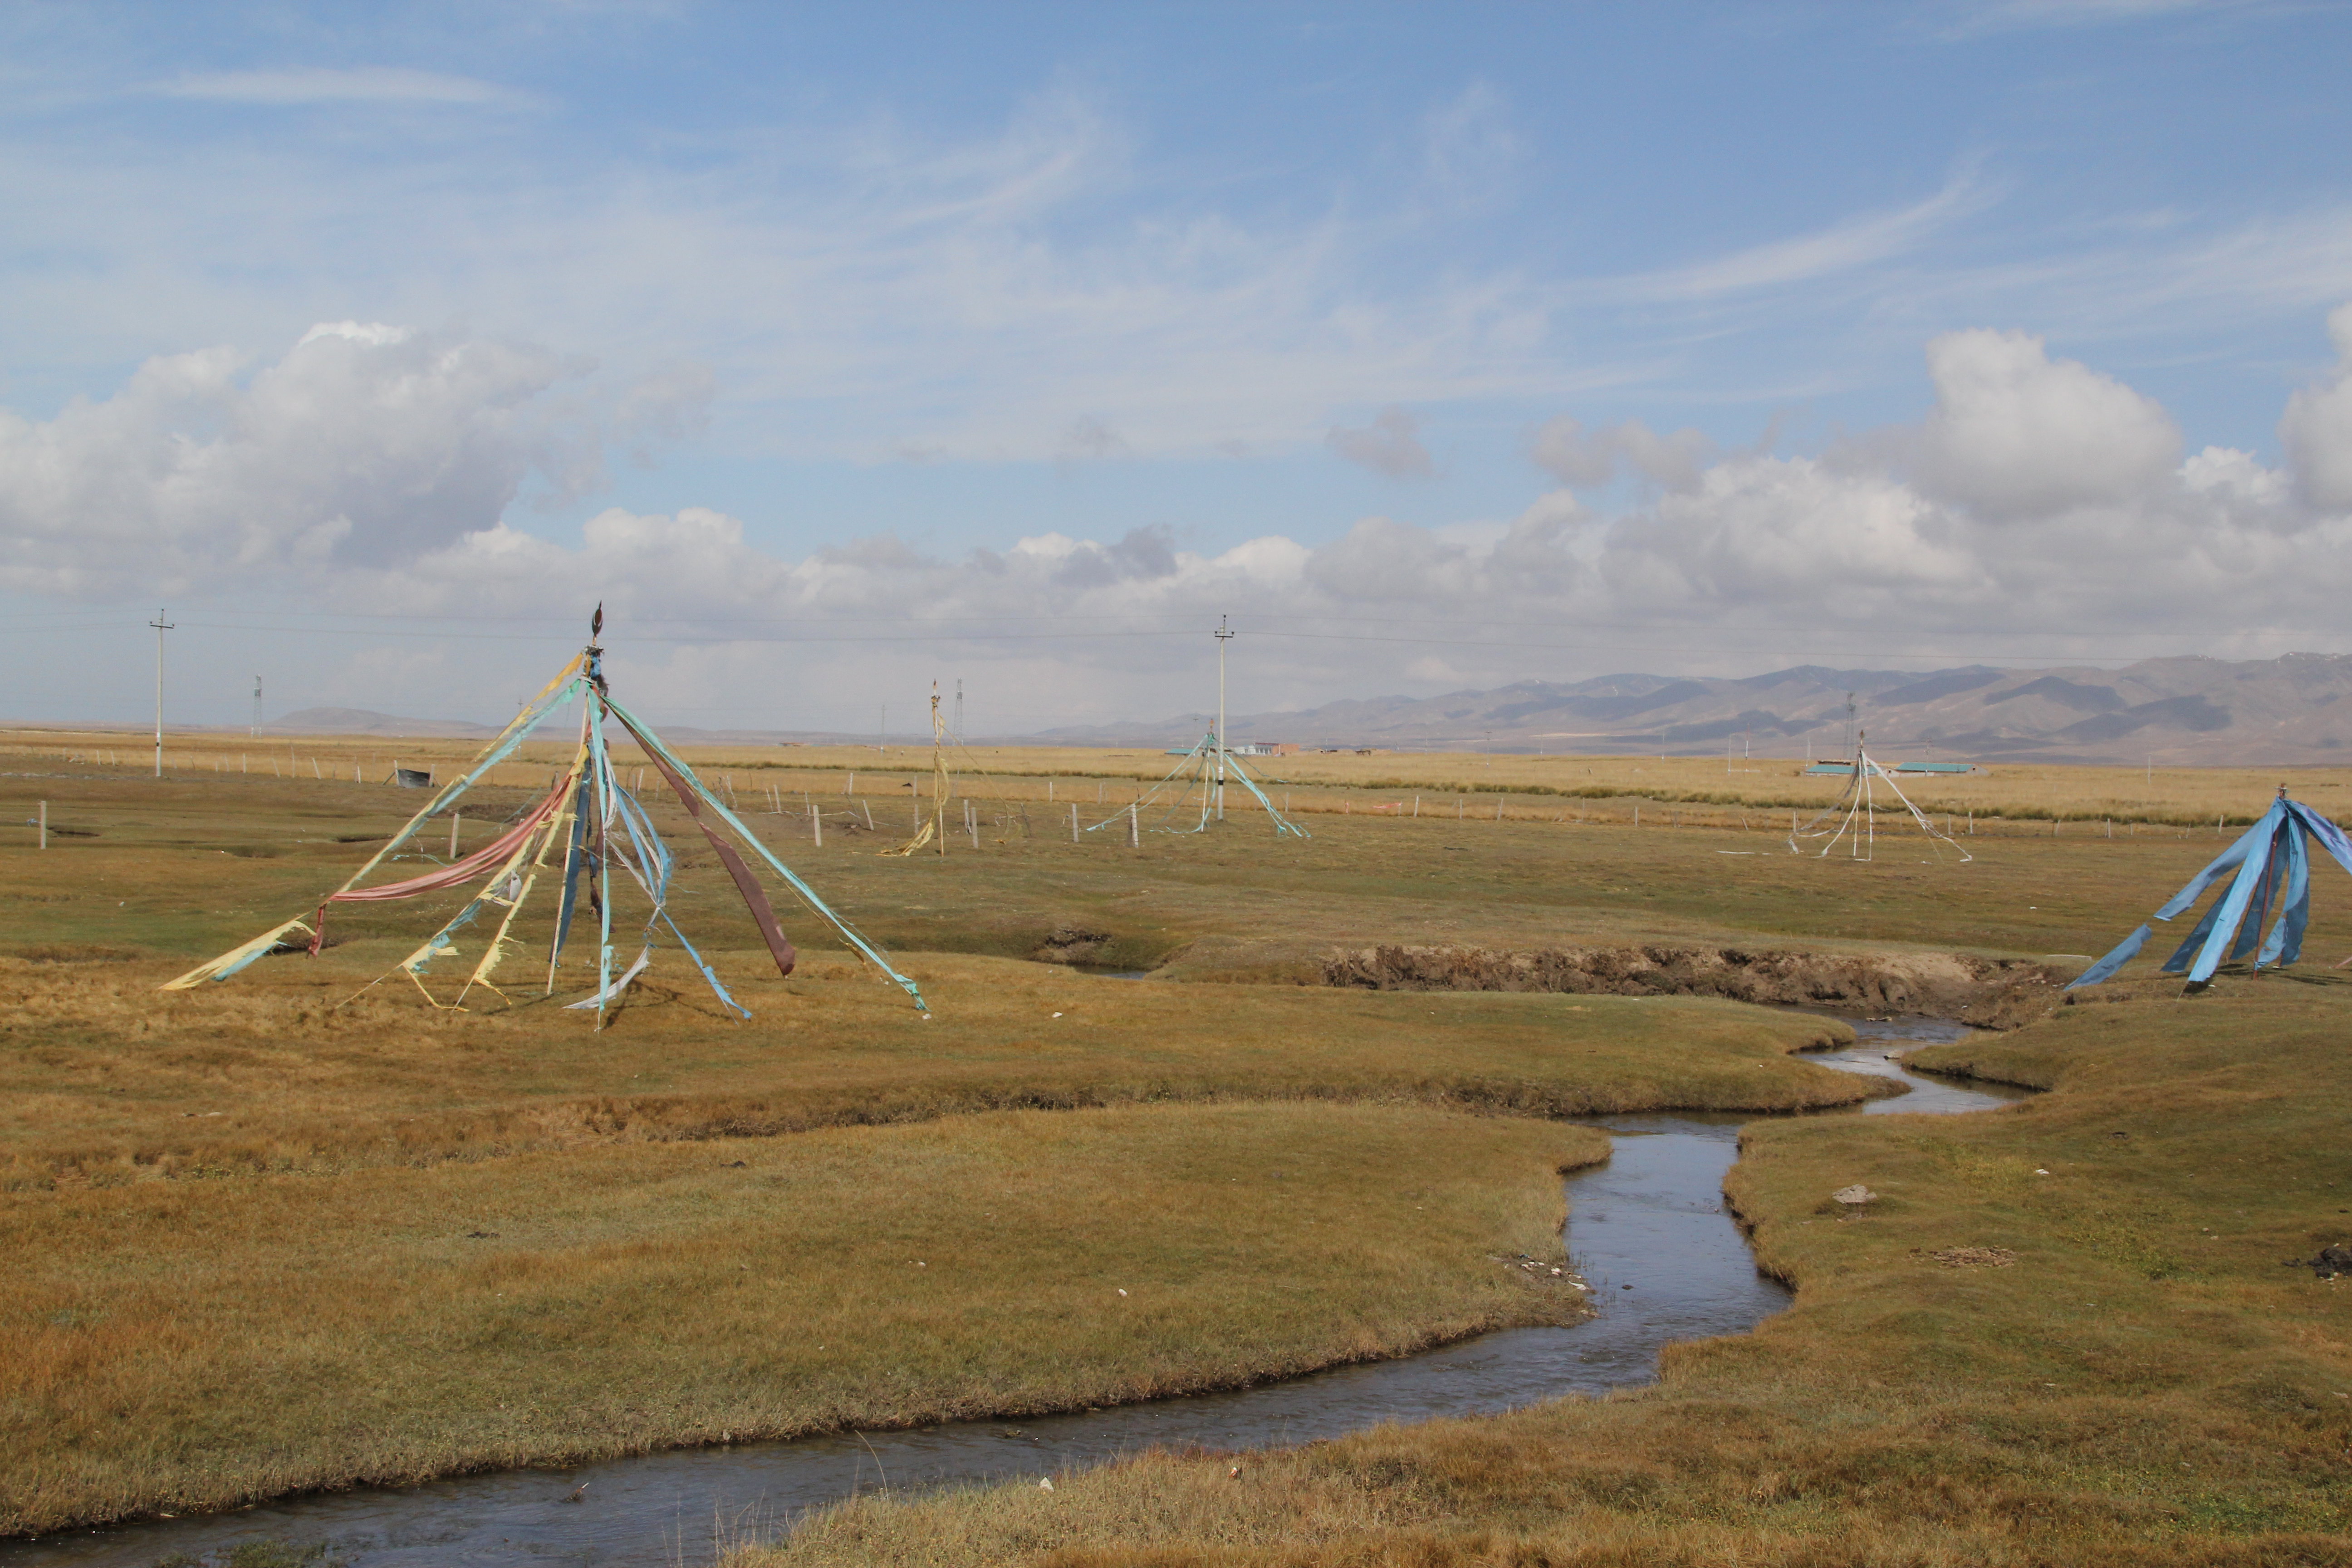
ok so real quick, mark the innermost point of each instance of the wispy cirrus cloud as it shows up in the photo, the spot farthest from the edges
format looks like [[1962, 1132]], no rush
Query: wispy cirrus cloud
[[1974, 18], [1847, 246], [300, 85]]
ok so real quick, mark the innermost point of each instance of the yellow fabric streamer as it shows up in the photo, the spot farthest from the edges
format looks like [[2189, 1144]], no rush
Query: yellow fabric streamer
[[237, 955], [236, 958]]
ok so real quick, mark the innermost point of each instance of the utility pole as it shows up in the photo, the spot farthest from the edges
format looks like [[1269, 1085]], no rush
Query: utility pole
[[959, 718], [161, 625], [1224, 637], [256, 705]]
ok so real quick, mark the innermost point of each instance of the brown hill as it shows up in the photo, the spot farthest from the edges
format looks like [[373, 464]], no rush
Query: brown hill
[[2176, 711]]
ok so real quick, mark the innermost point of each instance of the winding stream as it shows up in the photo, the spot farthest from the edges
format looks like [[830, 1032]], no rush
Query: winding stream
[[1650, 1234]]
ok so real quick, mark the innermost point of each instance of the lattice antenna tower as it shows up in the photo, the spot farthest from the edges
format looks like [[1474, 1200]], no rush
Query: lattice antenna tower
[[1852, 819], [1202, 773]]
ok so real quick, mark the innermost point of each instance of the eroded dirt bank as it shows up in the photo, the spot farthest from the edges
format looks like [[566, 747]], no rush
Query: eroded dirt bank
[[1986, 993]]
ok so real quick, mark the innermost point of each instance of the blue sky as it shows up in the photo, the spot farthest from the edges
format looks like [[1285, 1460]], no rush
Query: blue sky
[[1441, 346]]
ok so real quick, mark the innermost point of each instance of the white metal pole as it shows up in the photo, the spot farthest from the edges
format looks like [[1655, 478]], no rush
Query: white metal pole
[[1224, 637], [161, 625]]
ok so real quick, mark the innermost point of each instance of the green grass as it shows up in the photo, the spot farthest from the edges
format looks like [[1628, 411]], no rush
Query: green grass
[[243, 1219], [2144, 1383], [193, 1344], [105, 1081], [186, 868]]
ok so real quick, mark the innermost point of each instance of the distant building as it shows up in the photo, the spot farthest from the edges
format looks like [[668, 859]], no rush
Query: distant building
[[1262, 748], [1845, 767]]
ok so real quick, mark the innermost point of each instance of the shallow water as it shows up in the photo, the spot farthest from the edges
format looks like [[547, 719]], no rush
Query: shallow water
[[1647, 1231]]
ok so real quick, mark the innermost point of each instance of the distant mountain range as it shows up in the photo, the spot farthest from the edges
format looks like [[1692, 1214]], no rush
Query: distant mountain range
[[2194, 711], [368, 721], [2181, 711]]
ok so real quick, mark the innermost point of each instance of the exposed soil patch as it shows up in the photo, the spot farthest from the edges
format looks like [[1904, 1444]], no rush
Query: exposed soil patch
[[1985, 993], [1070, 944], [1973, 1256]]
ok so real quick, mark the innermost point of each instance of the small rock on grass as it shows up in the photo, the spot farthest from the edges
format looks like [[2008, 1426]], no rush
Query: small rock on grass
[[1854, 1196]]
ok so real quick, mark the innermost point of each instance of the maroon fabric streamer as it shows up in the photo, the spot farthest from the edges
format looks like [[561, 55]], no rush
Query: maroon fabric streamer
[[745, 883]]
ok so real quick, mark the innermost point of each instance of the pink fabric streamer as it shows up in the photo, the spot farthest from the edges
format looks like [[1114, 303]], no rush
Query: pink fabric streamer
[[488, 856]]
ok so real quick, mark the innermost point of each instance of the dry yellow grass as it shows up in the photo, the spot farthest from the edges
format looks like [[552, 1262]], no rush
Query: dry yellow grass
[[199, 1344], [103, 1081], [354, 1154], [251, 1213], [1692, 790], [2146, 1383], [188, 866]]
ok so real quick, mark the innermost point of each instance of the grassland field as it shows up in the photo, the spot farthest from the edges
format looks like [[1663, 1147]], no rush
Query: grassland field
[[299, 1230], [2005, 797]]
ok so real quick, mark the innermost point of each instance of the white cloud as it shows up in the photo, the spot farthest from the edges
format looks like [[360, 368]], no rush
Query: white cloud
[[1469, 150], [2014, 434], [1672, 461], [859, 289], [1783, 531], [1842, 247], [2039, 503], [2039, 499], [2317, 427], [1389, 446], [320, 84], [1980, 16], [365, 445]]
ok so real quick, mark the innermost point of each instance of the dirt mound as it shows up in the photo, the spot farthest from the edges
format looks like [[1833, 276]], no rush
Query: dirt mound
[[1987, 992]]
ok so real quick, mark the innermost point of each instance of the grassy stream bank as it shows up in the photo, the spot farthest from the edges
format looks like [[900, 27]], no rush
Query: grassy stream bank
[[267, 1236], [2064, 1334]]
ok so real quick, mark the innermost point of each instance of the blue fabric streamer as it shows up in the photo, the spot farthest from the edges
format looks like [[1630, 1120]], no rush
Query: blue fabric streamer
[[2265, 896], [2331, 837], [2229, 914], [2125, 952], [2179, 963], [2228, 860], [2285, 944], [2269, 867]]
